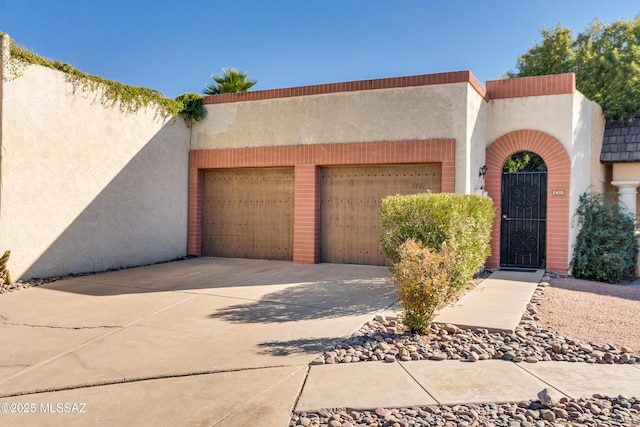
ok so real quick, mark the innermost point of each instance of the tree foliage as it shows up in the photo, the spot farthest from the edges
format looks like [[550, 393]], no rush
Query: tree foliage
[[553, 55], [231, 81], [604, 57]]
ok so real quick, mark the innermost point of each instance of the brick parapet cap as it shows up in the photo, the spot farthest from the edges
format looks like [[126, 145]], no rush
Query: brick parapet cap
[[385, 83], [495, 89], [531, 86]]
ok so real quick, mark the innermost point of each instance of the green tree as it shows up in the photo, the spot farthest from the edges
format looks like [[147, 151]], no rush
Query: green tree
[[604, 57], [231, 81], [553, 55]]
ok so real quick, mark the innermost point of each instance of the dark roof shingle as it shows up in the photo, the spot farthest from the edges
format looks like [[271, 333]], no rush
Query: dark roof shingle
[[621, 142]]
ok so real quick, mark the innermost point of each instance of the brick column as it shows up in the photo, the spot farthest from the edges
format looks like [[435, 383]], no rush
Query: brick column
[[306, 220]]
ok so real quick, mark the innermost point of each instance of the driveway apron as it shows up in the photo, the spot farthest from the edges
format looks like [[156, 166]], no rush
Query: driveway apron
[[225, 338]]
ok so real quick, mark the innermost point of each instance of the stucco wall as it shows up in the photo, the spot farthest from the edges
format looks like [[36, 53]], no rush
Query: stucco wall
[[584, 170], [476, 141], [626, 171], [552, 114], [395, 114], [87, 187], [600, 176]]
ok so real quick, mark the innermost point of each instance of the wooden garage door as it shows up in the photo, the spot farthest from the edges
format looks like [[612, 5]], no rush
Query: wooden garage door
[[248, 213], [350, 199]]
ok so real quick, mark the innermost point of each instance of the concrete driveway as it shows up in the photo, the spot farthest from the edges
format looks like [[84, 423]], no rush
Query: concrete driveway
[[205, 341]]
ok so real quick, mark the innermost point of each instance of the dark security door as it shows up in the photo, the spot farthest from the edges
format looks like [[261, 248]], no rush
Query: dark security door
[[524, 219]]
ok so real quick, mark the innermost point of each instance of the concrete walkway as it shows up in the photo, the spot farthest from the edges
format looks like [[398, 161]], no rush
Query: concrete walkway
[[370, 385], [497, 304]]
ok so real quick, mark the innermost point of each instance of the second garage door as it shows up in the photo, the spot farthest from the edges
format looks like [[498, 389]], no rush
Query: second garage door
[[248, 213], [350, 200]]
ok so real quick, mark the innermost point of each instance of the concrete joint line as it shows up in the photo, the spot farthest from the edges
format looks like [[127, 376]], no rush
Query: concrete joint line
[[304, 383], [111, 332], [63, 327], [418, 382], [149, 378], [230, 414], [542, 379]]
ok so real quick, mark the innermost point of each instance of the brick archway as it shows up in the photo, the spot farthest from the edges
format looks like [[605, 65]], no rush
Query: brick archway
[[559, 177]]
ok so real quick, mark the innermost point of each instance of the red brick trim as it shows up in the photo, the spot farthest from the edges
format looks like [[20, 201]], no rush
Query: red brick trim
[[531, 86], [305, 159], [559, 178], [306, 217], [194, 239], [386, 83]]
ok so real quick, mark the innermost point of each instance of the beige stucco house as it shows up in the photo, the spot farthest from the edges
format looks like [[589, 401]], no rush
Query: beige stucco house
[[342, 147], [294, 174]]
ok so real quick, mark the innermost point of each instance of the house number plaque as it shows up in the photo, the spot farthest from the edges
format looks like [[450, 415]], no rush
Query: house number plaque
[[557, 192]]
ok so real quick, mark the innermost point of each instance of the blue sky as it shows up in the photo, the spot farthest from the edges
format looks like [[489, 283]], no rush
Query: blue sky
[[175, 46]]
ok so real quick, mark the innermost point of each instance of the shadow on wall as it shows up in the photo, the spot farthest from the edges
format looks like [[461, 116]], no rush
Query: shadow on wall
[[140, 217]]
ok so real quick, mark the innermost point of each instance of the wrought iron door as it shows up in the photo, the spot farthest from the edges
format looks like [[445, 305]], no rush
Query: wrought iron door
[[524, 220]]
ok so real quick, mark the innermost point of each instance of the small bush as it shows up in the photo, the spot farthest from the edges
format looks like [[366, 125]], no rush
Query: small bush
[[462, 222], [192, 107], [423, 276], [606, 248]]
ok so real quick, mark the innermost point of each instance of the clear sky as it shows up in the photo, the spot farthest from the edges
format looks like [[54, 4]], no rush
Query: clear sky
[[175, 46]]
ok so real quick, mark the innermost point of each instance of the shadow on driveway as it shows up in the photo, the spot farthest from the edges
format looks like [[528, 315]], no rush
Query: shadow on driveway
[[313, 301]]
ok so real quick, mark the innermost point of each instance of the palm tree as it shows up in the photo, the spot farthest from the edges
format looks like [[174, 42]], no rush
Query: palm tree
[[231, 81]]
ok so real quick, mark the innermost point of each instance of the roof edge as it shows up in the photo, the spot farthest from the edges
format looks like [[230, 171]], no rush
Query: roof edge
[[358, 85]]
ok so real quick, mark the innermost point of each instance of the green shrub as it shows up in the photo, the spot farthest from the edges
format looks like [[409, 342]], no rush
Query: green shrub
[[192, 107], [606, 248], [461, 221], [423, 276]]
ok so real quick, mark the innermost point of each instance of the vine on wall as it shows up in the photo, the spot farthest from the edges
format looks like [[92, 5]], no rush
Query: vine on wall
[[130, 98]]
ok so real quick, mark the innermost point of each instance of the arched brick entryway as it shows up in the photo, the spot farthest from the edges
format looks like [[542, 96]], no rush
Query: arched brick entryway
[[559, 175]]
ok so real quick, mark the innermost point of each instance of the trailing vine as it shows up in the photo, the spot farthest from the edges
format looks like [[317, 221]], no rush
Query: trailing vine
[[130, 98]]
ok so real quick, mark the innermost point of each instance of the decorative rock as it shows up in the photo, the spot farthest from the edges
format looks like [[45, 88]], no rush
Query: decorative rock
[[318, 361], [614, 412], [381, 412], [452, 329], [546, 399]]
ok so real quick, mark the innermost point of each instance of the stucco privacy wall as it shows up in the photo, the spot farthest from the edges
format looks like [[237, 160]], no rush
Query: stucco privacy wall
[[87, 187], [551, 105], [445, 105]]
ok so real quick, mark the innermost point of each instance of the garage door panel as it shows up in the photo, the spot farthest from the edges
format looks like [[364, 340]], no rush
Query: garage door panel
[[350, 200], [248, 213]]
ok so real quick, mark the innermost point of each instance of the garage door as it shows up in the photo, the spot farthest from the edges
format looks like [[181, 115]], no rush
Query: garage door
[[350, 199], [248, 213]]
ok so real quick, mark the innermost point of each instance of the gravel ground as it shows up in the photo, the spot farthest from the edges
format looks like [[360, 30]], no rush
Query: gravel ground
[[592, 311]]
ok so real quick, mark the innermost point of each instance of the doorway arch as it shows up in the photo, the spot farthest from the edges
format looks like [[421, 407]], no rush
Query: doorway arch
[[558, 165]]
